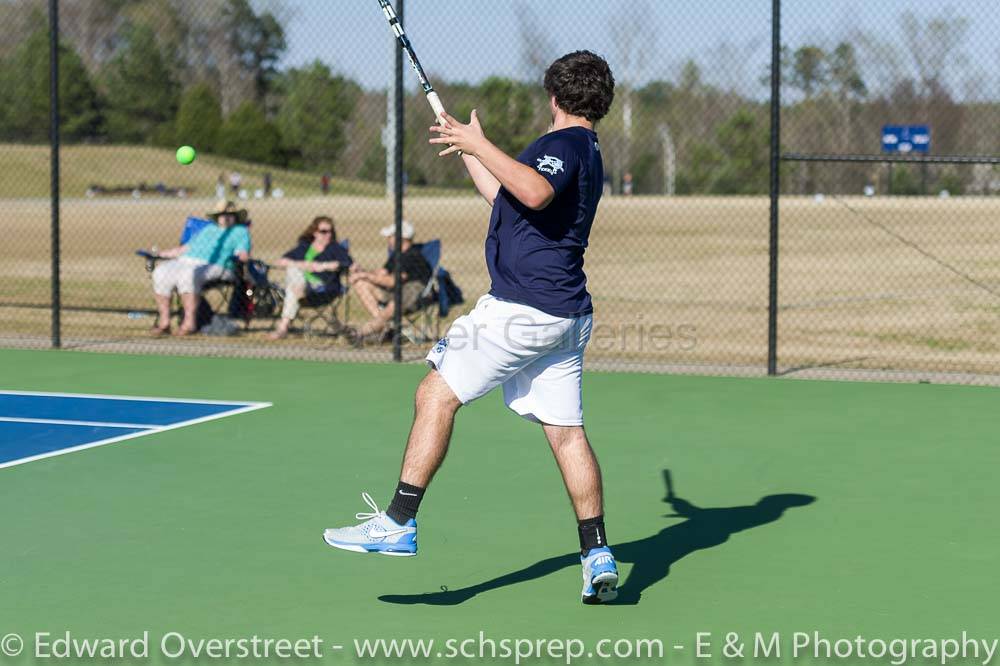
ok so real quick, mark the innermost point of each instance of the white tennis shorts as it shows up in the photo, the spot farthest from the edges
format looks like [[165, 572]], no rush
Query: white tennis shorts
[[536, 357]]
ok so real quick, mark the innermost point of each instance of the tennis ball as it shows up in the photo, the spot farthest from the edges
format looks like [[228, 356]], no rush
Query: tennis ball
[[185, 154]]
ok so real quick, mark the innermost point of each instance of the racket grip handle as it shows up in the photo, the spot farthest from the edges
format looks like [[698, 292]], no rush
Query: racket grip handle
[[436, 104]]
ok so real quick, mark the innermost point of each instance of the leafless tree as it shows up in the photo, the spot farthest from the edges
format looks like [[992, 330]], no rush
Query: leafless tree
[[727, 65], [537, 48], [881, 60], [91, 27], [634, 41], [935, 45], [16, 19]]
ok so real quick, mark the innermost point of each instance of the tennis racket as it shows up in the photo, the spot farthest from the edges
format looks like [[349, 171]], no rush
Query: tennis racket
[[397, 29]]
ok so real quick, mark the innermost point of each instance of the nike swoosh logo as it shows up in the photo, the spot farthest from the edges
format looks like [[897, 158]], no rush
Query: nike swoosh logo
[[408, 494], [376, 533]]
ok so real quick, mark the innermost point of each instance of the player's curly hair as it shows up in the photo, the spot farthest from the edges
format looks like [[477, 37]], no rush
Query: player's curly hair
[[582, 84]]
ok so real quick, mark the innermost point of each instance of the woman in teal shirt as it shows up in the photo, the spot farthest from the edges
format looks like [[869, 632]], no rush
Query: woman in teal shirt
[[210, 255]]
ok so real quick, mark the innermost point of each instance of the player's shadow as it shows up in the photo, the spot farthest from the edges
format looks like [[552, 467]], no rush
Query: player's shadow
[[651, 556]]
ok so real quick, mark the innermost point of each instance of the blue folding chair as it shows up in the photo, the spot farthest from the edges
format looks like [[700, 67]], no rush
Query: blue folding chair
[[423, 323], [192, 226]]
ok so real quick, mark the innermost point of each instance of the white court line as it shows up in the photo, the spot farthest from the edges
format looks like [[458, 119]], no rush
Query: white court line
[[47, 394], [248, 407], [102, 424]]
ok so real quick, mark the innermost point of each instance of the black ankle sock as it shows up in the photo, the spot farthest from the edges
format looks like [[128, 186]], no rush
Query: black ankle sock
[[592, 534], [405, 502]]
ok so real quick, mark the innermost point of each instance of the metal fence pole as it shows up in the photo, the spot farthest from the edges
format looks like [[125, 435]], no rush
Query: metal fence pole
[[772, 305], [397, 292], [54, 158]]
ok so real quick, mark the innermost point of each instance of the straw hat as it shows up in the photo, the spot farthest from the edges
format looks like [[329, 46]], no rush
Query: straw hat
[[228, 208]]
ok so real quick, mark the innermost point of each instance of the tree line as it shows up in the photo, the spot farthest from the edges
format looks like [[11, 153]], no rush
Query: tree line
[[153, 72]]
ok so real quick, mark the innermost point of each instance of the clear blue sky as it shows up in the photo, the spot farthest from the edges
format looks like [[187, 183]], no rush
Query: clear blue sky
[[471, 39]]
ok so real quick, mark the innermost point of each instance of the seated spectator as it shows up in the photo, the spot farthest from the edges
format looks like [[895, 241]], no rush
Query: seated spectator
[[312, 271], [209, 255], [375, 288]]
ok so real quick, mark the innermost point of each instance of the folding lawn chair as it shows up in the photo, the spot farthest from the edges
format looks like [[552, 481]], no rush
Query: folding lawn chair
[[439, 295], [326, 321], [243, 296]]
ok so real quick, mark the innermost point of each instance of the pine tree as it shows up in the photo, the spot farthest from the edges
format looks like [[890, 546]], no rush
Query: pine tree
[[314, 113], [142, 90], [24, 94], [199, 118], [247, 135]]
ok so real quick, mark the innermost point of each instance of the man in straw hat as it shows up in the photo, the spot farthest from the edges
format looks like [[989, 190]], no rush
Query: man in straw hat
[[210, 254]]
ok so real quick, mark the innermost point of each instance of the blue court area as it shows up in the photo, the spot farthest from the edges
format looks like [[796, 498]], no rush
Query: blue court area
[[41, 425]]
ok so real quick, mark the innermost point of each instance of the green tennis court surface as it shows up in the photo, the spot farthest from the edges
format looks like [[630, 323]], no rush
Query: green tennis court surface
[[214, 530]]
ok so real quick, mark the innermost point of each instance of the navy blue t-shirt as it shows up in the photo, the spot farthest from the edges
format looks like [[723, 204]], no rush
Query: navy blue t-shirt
[[536, 257]]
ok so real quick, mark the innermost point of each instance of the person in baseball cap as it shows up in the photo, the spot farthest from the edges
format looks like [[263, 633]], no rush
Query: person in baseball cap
[[375, 288], [390, 232]]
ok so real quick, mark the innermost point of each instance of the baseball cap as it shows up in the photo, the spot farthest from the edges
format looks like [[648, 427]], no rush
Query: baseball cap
[[391, 230]]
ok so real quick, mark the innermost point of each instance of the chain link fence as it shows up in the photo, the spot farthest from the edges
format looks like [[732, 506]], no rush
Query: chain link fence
[[889, 243], [884, 268]]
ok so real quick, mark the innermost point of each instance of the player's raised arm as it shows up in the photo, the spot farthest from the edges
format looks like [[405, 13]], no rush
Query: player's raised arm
[[484, 181], [527, 186]]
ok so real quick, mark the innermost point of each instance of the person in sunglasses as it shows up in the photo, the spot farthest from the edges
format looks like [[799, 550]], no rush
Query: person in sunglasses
[[312, 271]]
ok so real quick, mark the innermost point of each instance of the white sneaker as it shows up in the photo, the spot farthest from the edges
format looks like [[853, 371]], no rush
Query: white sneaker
[[377, 534], [600, 576]]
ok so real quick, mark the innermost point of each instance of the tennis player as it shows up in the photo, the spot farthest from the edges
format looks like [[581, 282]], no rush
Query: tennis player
[[529, 332]]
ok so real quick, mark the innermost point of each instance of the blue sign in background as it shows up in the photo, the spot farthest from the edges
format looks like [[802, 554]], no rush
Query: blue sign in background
[[906, 139]]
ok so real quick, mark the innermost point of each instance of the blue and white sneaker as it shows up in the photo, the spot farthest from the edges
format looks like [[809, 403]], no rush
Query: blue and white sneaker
[[600, 576], [377, 534]]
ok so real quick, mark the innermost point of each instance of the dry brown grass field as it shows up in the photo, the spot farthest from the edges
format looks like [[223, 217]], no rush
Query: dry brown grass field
[[675, 281], [24, 172]]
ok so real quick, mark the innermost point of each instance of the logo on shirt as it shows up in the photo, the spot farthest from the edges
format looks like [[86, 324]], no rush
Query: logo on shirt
[[439, 348], [550, 165]]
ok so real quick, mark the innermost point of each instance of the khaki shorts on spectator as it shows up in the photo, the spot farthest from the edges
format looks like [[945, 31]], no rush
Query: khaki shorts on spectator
[[411, 296]]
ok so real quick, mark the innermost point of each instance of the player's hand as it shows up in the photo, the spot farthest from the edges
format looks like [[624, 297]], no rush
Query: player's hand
[[458, 137]]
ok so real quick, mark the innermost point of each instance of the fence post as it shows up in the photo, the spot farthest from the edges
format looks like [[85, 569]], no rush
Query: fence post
[[397, 292], [54, 168], [772, 305]]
